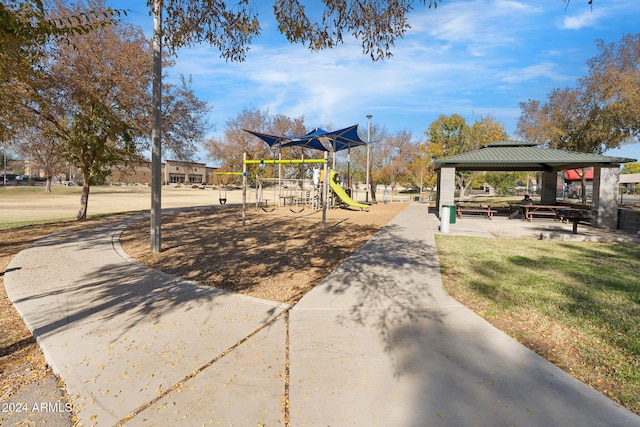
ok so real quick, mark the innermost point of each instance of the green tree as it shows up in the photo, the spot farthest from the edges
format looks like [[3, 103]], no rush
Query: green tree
[[94, 91], [503, 182], [603, 110], [451, 135], [633, 167]]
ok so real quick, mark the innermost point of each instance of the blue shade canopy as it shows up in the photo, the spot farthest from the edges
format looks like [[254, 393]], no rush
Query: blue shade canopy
[[272, 140], [323, 140], [317, 139]]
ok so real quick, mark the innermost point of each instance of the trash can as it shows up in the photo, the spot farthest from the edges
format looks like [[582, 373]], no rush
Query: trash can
[[444, 219], [453, 212]]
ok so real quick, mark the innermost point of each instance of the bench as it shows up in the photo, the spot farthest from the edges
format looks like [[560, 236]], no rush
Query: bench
[[485, 210]]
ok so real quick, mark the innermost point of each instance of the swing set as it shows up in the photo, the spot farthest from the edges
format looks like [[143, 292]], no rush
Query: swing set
[[223, 199], [297, 193], [298, 200]]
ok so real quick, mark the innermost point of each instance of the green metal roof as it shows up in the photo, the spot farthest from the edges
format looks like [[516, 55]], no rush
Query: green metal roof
[[524, 156]]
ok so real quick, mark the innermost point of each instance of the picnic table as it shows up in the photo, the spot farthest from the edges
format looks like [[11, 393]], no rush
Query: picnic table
[[542, 210], [479, 209], [575, 216]]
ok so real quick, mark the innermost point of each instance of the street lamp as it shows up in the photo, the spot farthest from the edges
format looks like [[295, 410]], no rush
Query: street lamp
[[369, 116], [4, 164]]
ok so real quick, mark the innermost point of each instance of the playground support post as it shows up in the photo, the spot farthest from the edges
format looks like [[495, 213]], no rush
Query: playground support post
[[244, 188], [279, 179], [325, 196], [367, 184]]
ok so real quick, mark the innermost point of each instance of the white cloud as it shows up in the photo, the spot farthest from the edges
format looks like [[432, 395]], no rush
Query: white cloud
[[587, 18], [478, 25], [545, 70]]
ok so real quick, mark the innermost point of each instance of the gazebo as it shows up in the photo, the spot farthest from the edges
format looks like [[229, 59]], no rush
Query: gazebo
[[527, 156]]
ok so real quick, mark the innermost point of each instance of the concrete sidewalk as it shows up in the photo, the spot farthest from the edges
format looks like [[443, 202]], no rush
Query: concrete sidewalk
[[377, 343]]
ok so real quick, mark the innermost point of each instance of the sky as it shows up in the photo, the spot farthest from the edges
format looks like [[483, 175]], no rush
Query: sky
[[475, 58]]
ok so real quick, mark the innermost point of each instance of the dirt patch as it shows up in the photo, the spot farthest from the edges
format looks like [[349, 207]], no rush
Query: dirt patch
[[276, 255]]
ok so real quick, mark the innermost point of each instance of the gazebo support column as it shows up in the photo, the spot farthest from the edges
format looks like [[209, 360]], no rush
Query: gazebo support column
[[446, 187], [604, 201], [548, 190]]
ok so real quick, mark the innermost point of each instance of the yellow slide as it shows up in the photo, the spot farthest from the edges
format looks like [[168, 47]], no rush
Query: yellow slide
[[337, 188]]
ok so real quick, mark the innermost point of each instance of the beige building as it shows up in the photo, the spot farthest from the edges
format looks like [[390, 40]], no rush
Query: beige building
[[173, 172], [176, 172]]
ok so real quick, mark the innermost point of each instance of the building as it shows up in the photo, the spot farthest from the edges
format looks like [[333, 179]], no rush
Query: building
[[173, 172], [630, 180], [176, 172]]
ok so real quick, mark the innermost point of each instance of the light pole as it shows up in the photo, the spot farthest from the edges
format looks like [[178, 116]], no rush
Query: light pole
[[369, 116], [4, 164]]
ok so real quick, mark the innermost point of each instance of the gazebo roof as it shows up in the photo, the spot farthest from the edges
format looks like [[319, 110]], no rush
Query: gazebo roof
[[524, 156]]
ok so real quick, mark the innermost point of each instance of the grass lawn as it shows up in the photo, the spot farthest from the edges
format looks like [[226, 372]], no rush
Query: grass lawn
[[575, 303]]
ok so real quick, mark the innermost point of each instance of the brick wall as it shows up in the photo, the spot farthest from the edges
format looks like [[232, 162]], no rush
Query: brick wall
[[629, 220]]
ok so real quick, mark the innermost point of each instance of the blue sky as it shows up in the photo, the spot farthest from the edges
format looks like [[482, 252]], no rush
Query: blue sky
[[470, 57]]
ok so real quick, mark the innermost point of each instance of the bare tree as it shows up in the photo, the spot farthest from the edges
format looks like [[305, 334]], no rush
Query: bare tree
[[229, 149], [44, 148], [184, 121], [25, 30]]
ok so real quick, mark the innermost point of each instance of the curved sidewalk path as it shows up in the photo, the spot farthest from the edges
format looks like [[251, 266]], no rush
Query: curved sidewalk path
[[377, 343]]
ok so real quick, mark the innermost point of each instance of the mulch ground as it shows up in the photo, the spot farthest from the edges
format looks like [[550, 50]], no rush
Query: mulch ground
[[277, 255]]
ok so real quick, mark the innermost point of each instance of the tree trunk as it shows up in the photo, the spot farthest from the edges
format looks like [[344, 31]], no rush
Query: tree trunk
[[461, 188], [373, 193], [47, 187], [84, 199], [465, 183]]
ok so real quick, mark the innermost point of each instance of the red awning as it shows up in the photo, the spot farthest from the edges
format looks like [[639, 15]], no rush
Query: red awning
[[575, 174]]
